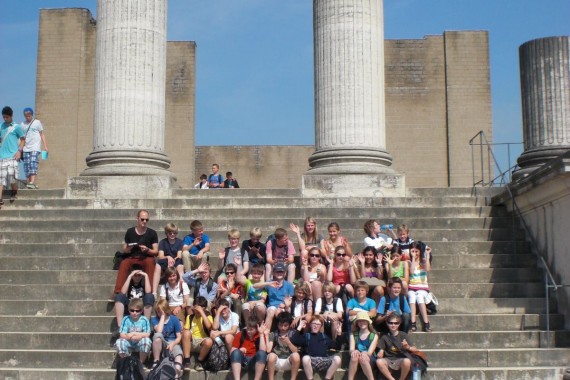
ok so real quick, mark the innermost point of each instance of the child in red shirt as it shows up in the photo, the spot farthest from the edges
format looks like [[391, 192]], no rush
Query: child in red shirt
[[249, 346]]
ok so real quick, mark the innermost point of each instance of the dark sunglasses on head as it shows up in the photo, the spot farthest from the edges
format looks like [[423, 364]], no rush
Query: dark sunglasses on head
[[393, 323], [230, 272]]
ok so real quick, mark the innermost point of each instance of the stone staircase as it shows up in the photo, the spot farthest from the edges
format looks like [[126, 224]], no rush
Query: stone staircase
[[55, 277]]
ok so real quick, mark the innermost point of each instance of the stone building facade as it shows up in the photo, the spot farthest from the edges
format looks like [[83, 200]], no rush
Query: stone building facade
[[437, 97]]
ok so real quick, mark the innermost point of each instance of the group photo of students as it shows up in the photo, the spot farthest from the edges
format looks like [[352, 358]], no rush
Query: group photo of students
[[291, 300]]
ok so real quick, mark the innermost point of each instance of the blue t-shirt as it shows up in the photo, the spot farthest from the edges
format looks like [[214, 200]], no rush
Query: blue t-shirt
[[128, 325], [171, 327], [10, 141], [394, 306], [215, 179], [353, 304], [194, 250], [275, 296]]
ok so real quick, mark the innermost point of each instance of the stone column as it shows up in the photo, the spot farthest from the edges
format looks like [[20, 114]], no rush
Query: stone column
[[545, 90], [128, 131], [349, 97]]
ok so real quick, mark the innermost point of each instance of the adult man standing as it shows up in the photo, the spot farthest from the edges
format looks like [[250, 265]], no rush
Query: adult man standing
[[34, 136], [12, 138], [140, 247]]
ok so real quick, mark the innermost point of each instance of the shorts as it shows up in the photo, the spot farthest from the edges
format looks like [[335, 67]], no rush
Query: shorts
[[164, 263], [8, 171], [283, 365], [31, 163], [417, 296], [176, 350], [395, 363], [196, 343], [246, 305], [125, 346], [321, 363]]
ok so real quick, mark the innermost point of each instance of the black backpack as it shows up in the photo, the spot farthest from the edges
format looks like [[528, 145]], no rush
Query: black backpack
[[165, 370], [129, 368], [209, 286], [218, 359]]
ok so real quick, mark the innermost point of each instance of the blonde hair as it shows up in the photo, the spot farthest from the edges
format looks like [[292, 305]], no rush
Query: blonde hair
[[403, 227], [170, 227], [234, 233], [304, 286], [313, 236], [162, 305], [255, 232]]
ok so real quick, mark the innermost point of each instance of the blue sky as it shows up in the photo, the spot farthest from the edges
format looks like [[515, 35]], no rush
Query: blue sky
[[255, 57]]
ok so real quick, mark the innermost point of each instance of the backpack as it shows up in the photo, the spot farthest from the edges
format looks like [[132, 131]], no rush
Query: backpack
[[370, 338], [219, 179], [218, 359], [209, 287], [179, 287], [387, 303], [334, 302], [129, 368], [165, 370], [305, 305]]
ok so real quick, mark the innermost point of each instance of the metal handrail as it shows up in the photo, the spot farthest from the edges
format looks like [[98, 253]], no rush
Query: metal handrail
[[549, 281], [505, 176]]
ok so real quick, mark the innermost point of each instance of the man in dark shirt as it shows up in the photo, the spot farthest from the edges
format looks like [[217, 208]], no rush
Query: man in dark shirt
[[140, 247]]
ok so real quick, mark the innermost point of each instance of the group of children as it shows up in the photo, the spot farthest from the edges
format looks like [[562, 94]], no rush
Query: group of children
[[216, 180], [292, 316]]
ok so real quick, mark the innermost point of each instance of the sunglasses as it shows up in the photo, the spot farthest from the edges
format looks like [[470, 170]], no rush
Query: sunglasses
[[315, 255], [143, 219], [341, 254], [230, 272], [135, 310], [394, 323]]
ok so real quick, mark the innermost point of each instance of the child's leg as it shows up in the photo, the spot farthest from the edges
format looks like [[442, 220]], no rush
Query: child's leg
[[205, 348], [384, 368], [186, 345], [377, 294], [236, 358], [260, 361], [121, 301], [156, 278], [260, 311], [349, 290], [291, 272], [366, 366], [295, 361], [268, 272], [143, 347], [316, 290], [157, 344], [271, 360], [353, 365], [405, 368], [307, 367], [334, 366], [229, 339]]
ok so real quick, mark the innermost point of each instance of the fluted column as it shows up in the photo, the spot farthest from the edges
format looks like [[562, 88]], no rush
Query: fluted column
[[128, 133], [349, 88], [545, 90]]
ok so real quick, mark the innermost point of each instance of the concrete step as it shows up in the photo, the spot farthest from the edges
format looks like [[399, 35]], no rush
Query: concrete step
[[246, 224], [236, 193], [497, 253], [106, 276], [114, 211], [100, 292], [448, 192], [219, 238], [100, 307], [456, 373], [252, 202], [462, 357], [437, 340], [38, 194]]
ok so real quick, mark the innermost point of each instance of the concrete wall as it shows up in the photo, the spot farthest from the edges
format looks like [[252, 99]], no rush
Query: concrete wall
[[262, 167], [437, 98], [544, 201], [180, 111], [65, 91]]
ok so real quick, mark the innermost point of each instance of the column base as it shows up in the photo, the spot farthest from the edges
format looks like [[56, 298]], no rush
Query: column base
[[351, 161], [121, 187], [533, 159], [126, 162], [354, 185]]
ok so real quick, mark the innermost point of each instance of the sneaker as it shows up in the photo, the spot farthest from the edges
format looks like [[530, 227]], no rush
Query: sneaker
[[198, 366], [413, 327], [13, 195], [32, 186], [186, 363], [111, 299], [427, 327], [116, 332]]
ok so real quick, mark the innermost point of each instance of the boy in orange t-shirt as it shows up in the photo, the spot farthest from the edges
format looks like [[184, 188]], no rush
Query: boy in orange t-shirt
[[249, 346]]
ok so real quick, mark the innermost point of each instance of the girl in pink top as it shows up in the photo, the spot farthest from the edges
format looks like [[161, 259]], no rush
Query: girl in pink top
[[341, 271]]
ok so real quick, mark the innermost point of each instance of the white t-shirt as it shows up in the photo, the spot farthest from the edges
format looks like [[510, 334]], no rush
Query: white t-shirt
[[33, 137], [232, 321], [377, 242], [175, 296]]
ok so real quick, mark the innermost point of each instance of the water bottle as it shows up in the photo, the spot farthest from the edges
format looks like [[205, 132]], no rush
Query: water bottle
[[219, 341], [416, 374], [387, 226]]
